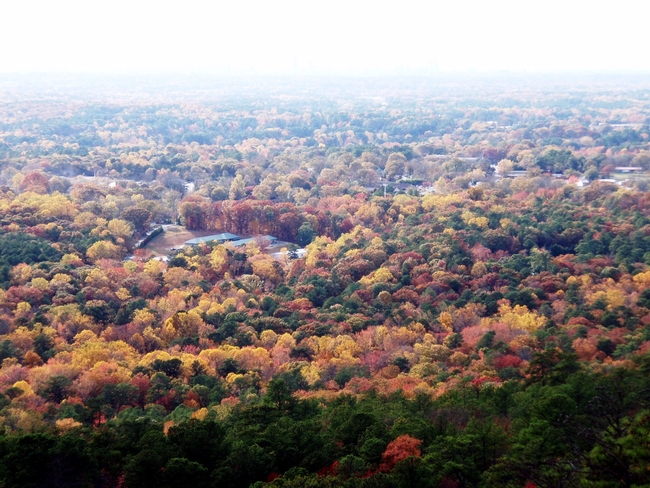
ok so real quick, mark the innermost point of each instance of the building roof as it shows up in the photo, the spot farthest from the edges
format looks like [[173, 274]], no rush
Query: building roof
[[243, 242], [225, 236]]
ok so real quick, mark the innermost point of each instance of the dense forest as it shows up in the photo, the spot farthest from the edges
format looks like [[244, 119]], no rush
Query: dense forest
[[462, 299]]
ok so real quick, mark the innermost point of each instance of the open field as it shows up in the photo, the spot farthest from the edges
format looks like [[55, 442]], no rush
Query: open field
[[174, 236]]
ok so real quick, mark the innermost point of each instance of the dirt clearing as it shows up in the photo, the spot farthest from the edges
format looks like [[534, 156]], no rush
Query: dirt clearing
[[173, 237]]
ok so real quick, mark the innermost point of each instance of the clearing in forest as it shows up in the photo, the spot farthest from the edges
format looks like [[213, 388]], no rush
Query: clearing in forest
[[174, 237]]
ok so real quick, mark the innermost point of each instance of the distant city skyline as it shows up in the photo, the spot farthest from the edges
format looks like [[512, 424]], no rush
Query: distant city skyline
[[336, 37]]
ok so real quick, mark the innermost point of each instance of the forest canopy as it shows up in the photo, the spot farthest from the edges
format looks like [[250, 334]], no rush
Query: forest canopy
[[424, 283]]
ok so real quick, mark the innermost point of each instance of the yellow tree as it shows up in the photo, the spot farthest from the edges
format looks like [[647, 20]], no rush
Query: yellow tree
[[267, 268], [103, 250], [219, 259], [120, 229], [237, 187]]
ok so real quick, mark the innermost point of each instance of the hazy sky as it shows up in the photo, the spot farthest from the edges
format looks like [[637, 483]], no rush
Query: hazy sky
[[116, 36]]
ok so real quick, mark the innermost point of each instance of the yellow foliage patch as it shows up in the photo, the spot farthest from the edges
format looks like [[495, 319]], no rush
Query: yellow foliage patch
[[519, 317]]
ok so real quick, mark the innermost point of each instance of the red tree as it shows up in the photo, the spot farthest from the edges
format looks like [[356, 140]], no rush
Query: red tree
[[401, 448]]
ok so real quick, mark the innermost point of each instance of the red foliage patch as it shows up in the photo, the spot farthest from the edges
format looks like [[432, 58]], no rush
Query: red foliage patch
[[272, 476], [329, 470], [579, 321], [508, 361], [406, 295], [448, 483], [399, 449]]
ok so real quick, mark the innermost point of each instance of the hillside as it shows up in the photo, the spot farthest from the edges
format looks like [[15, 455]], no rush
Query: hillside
[[472, 307]]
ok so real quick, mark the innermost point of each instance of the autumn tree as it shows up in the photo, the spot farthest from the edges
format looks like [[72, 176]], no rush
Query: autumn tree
[[139, 217], [194, 212], [398, 450], [103, 250], [237, 188], [395, 165]]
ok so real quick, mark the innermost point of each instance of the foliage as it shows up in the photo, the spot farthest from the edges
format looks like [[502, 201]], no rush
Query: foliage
[[479, 335]]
